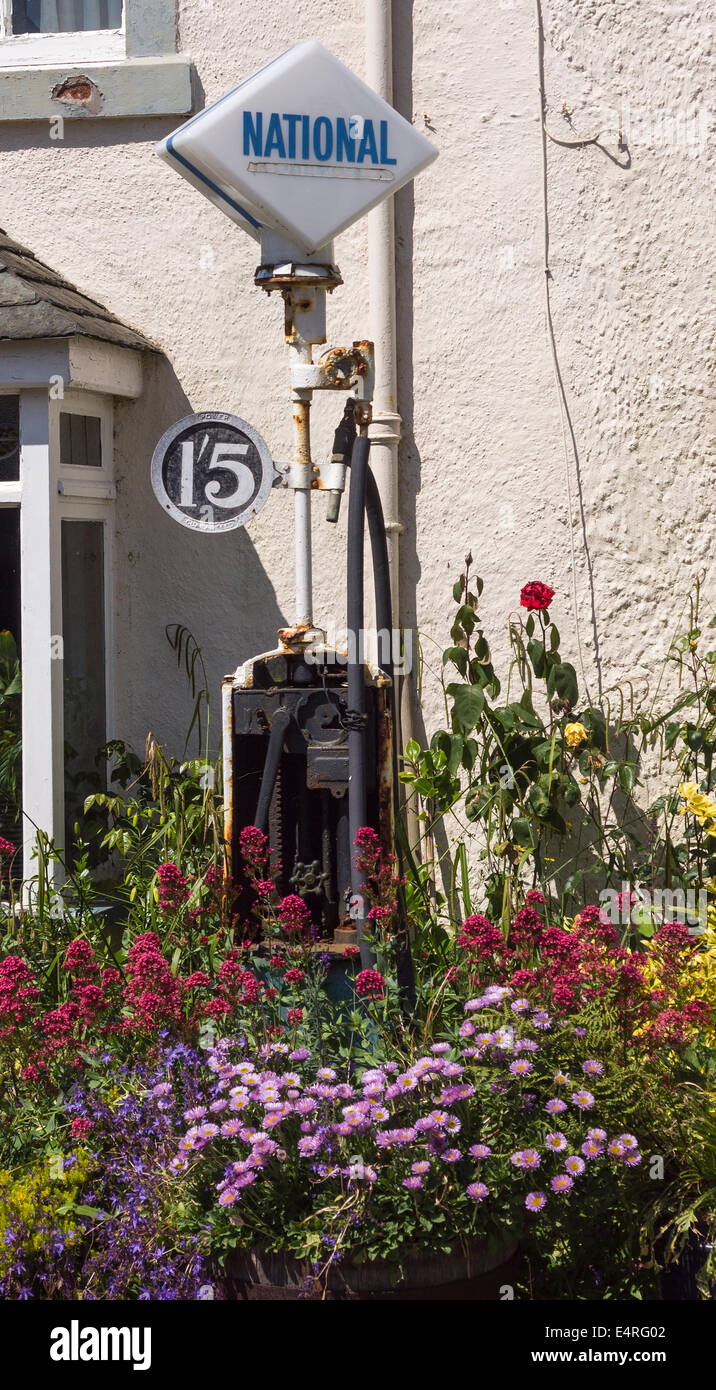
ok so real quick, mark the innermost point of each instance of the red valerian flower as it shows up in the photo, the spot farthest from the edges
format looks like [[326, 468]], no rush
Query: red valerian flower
[[536, 596], [198, 980], [535, 899], [480, 938], [6, 849], [370, 982], [173, 888], [293, 915], [254, 846]]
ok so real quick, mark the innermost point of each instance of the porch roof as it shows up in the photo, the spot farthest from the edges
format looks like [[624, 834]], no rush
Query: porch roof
[[35, 302]]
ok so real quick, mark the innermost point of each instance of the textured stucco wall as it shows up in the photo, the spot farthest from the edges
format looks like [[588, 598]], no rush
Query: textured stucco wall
[[483, 458]]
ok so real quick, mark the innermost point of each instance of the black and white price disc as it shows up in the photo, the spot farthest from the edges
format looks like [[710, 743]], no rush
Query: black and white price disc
[[212, 472]]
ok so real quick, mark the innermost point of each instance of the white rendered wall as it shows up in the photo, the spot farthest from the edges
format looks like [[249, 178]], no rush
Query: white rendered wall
[[483, 459]]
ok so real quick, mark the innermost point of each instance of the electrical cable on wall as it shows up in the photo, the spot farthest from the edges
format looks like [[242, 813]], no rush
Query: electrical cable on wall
[[565, 416]]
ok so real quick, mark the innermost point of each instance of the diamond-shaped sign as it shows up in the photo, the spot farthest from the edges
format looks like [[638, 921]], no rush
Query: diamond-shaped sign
[[302, 148]]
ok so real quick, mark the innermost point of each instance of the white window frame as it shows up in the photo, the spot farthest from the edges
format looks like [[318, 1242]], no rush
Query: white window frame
[[47, 494], [136, 69], [43, 50]]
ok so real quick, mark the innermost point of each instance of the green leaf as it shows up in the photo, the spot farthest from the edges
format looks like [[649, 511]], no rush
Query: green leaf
[[520, 832], [469, 703], [458, 656], [627, 777], [537, 656], [562, 681], [538, 800]]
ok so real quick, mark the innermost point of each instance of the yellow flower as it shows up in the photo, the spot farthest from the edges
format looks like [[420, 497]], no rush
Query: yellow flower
[[700, 805], [574, 734]]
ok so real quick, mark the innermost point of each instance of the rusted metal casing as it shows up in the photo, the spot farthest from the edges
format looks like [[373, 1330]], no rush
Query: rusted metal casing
[[307, 823]]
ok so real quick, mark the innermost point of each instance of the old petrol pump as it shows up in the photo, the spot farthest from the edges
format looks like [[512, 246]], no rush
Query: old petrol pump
[[294, 155]]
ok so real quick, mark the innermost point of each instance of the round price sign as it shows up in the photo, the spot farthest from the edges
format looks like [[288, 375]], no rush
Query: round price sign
[[212, 472]]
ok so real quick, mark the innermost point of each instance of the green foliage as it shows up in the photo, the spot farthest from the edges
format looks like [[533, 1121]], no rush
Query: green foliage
[[10, 725], [546, 788]]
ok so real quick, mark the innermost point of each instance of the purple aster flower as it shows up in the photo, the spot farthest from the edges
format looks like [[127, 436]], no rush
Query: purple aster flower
[[534, 1201], [562, 1182], [228, 1197], [480, 1151], [628, 1140], [520, 1006], [615, 1148], [451, 1156], [592, 1149], [580, 1032], [521, 1067], [574, 1164], [477, 1191], [230, 1128], [555, 1106], [440, 1048], [413, 1183], [592, 1067], [600, 1135], [163, 1089], [197, 1112], [309, 1145], [541, 1020], [300, 1054], [632, 1158], [422, 1166], [584, 1100], [556, 1141]]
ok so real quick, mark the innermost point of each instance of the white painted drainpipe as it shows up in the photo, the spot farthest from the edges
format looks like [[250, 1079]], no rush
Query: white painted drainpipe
[[385, 431]]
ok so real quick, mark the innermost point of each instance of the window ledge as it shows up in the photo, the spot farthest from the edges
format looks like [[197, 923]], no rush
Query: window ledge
[[156, 86]]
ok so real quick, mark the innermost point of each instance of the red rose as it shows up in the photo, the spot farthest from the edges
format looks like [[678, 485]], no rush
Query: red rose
[[536, 595]]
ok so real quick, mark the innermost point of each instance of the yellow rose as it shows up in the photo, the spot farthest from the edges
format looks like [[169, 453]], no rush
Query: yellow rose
[[574, 734]]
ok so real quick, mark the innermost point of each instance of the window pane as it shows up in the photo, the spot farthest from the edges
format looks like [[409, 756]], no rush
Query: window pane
[[9, 438], [80, 440], [10, 699], [83, 621], [64, 16]]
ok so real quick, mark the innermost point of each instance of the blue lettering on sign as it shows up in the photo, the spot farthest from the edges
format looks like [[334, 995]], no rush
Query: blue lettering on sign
[[321, 138]]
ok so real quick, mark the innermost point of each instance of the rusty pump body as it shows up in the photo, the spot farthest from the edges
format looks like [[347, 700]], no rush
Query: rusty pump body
[[308, 732]]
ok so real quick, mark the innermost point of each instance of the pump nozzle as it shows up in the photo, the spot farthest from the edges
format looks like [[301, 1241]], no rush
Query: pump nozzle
[[334, 474]]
